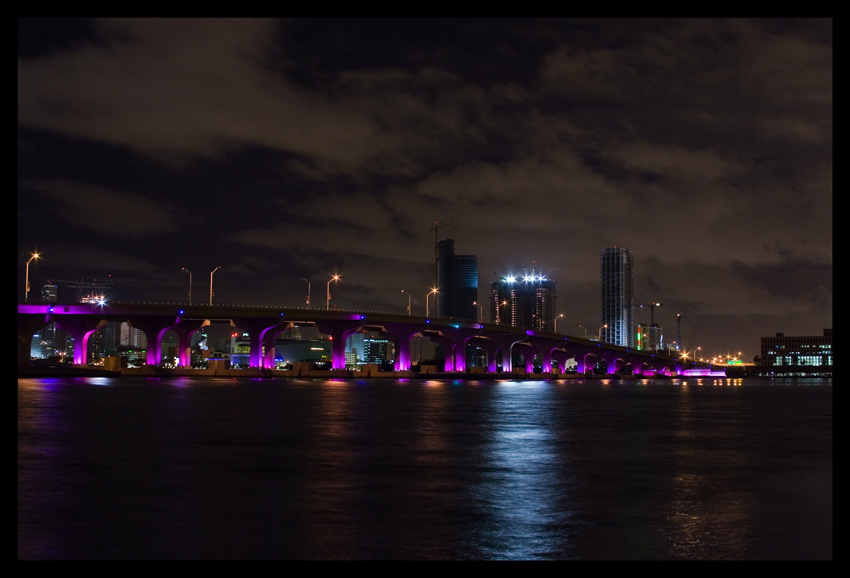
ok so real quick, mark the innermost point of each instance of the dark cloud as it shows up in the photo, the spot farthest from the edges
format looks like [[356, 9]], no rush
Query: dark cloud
[[294, 149]]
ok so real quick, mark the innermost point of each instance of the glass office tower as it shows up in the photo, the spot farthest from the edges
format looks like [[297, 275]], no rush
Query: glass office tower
[[457, 278], [618, 297]]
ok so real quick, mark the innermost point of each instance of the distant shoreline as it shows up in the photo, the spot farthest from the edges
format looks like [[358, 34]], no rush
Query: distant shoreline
[[78, 371]]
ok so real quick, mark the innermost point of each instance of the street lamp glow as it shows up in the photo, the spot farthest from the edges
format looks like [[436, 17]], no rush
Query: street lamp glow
[[427, 310], [308, 291], [328, 301], [211, 279], [190, 284], [480, 312], [27, 280], [556, 322], [599, 338], [499, 312]]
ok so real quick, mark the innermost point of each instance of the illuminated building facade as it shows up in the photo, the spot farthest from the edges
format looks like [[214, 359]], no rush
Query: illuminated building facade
[[457, 282], [649, 337], [369, 347], [528, 301], [800, 351], [618, 297]]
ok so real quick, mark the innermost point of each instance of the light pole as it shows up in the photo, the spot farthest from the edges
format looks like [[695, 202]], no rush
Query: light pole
[[190, 284], [308, 291], [499, 312], [211, 274], [556, 322], [27, 280], [480, 312], [427, 309], [409, 312], [600, 332], [328, 302]]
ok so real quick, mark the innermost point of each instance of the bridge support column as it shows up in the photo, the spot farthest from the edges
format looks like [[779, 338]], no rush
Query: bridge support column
[[267, 338], [154, 329], [80, 330], [528, 353], [505, 343], [491, 348], [339, 332], [403, 333], [261, 332], [458, 338], [28, 325]]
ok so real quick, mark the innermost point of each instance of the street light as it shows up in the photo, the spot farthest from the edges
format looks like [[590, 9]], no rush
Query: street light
[[600, 332], [328, 302], [556, 322], [480, 311], [499, 312], [427, 309], [27, 285], [190, 284], [308, 291], [211, 274], [409, 312]]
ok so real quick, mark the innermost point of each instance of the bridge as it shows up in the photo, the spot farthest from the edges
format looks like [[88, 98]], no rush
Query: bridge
[[263, 324]]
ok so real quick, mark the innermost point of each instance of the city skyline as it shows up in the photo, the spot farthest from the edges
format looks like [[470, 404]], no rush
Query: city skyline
[[291, 150]]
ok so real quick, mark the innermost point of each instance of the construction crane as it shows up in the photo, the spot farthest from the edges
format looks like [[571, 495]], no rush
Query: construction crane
[[80, 285], [679, 318], [652, 307], [436, 230]]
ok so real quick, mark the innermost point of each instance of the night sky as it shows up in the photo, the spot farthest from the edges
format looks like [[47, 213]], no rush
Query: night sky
[[283, 150]]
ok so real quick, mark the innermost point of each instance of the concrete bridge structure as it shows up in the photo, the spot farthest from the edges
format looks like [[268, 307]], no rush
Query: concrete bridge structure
[[262, 324]]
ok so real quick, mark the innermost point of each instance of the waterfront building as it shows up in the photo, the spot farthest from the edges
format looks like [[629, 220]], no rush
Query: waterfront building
[[527, 301], [805, 354], [288, 351], [457, 283], [44, 346], [49, 293], [369, 347], [618, 297], [649, 337]]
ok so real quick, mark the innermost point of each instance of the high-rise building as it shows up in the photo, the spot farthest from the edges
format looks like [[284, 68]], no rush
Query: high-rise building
[[49, 293], [527, 301], [649, 337], [47, 335], [457, 278], [618, 297]]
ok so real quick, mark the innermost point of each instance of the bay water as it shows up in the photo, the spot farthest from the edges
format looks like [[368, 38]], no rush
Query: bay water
[[309, 469]]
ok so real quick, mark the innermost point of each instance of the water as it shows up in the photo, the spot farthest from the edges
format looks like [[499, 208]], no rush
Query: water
[[135, 468]]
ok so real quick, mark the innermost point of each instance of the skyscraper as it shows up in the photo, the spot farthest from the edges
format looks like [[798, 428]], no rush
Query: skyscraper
[[457, 277], [528, 301], [618, 297]]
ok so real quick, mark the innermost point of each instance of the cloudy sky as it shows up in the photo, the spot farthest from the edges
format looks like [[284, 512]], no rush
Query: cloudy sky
[[284, 150]]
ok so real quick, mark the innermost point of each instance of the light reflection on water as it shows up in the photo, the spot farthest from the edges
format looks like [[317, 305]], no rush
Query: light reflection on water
[[690, 468], [520, 482]]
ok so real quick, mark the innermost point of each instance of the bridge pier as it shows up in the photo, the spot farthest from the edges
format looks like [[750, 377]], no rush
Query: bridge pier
[[154, 329], [28, 325], [505, 343], [80, 330], [402, 334], [458, 337], [339, 332]]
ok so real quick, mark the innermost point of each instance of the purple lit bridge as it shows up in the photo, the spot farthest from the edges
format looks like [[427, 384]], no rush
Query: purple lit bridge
[[82, 320]]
